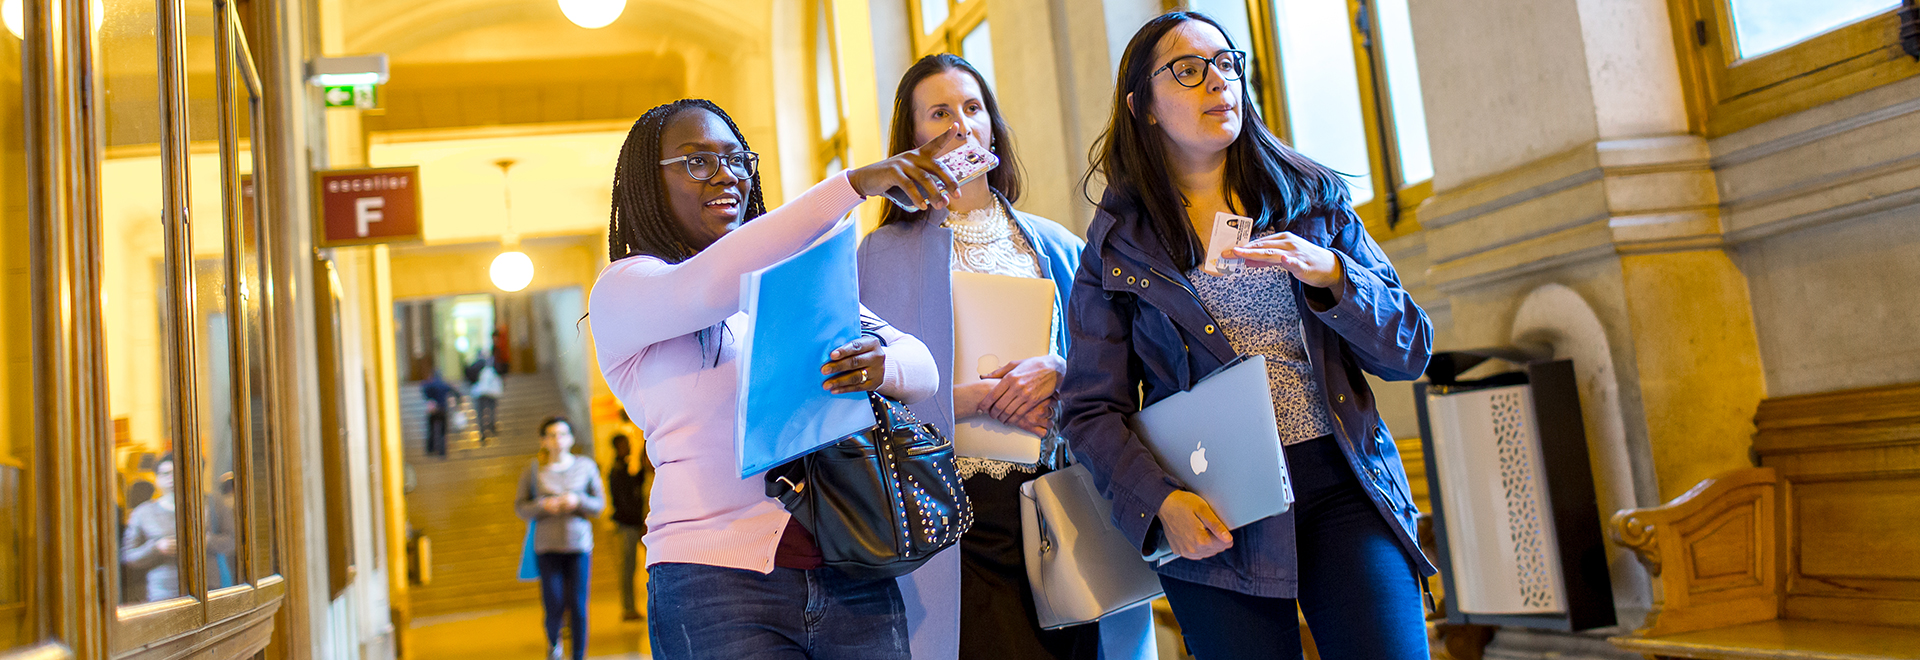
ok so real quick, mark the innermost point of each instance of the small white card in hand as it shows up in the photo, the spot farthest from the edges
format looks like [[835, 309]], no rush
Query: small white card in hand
[[1229, 231]]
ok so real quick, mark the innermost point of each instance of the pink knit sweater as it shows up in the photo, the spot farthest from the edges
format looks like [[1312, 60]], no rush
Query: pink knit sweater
[[644, 313]]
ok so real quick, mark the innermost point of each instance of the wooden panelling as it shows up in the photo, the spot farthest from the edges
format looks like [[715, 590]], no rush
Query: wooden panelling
[[1877, 416], [1714, 547], [1725, 554], [237, 638], [1837, 503], [1857, 529], [1849, 464]]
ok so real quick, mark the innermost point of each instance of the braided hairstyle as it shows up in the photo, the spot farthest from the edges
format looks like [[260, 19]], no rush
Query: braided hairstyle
[[641, 223]]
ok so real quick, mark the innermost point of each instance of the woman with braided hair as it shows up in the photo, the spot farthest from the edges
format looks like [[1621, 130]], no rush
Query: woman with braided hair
[[730, 575]]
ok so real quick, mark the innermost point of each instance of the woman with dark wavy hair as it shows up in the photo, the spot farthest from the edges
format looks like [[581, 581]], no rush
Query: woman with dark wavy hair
[[1317, 298], [731, 575], [906, 274]]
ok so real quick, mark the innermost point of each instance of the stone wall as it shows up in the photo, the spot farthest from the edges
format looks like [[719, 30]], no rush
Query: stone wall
[[1823, 211]]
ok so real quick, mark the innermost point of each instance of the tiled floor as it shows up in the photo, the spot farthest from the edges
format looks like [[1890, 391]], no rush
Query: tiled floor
[[513, 634]]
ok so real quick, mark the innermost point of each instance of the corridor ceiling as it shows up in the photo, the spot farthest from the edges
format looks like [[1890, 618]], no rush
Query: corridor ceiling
[[459, 63]]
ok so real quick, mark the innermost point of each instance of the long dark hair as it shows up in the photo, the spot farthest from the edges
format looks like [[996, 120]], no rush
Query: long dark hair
[[1004, 179], [641, 223], [1266, 174]]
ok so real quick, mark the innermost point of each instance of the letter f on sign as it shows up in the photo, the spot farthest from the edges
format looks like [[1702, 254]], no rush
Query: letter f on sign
[[366, 210]]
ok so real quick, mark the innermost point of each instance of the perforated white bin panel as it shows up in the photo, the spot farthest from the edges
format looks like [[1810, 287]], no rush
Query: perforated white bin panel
[[1499, 527]]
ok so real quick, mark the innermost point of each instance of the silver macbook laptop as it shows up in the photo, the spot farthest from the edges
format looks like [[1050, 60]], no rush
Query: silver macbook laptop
[[1221, 440]]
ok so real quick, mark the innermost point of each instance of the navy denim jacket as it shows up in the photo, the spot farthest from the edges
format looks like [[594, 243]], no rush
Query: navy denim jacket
[[1140, 334]]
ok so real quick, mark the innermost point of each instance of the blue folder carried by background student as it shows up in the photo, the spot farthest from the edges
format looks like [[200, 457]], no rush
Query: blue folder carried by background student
[[798, 311]]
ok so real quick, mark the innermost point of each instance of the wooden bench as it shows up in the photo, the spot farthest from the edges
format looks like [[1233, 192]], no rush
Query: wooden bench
[[1814, 554]]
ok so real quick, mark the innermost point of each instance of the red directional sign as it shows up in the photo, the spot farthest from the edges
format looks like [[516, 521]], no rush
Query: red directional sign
[[363, 207]]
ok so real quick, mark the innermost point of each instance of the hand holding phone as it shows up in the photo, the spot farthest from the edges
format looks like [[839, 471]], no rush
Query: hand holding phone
[[965, 164]]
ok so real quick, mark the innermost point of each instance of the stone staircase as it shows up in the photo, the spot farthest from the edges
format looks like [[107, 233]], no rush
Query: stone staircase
[[464, 503]]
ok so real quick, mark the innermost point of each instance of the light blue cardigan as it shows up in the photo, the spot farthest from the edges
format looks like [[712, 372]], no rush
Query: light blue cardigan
[[906, 277]]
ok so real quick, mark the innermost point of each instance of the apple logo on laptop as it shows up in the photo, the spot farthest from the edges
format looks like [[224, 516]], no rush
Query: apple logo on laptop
[[1199, 458]]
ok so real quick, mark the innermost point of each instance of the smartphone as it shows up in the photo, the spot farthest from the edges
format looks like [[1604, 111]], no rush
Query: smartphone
[[965, 164], [1229, 231]]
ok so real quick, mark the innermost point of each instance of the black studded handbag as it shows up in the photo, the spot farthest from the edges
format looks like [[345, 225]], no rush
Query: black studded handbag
[[880, 502]]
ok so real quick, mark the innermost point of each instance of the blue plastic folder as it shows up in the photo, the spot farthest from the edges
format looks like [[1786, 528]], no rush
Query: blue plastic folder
[[798, 311], [529, 566]]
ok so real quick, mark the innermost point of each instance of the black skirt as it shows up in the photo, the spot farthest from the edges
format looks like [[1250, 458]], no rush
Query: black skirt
[[997, 618]]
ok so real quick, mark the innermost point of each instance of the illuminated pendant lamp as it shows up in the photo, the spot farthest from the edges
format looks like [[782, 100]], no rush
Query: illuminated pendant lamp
[[592, 14], [512, 270]]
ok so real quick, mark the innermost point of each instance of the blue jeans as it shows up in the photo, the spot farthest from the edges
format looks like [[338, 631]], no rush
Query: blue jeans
[[563, 593], [697, 612], [1357, 587]]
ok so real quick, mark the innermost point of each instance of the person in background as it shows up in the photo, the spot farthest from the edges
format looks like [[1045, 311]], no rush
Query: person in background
[[133, 581], [1317, 299], [486, 391], [221, 533], [151, 543], [906, 272], [472, 370], [626, 491], [501, 349], [440, 397], [562, 493]]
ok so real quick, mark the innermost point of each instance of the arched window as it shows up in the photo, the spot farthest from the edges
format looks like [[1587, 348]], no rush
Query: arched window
[[953, 26], [830, 134]]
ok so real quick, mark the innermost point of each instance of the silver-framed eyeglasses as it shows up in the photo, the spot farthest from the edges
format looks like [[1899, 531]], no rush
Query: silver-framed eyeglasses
[[1191, 70], [702, 165]]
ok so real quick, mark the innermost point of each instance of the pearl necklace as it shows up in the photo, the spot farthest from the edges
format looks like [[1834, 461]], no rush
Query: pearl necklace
[[982, 226], [984, 242]]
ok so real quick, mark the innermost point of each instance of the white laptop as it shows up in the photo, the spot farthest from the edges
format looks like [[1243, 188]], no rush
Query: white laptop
[[1221, 440], [997, 319]]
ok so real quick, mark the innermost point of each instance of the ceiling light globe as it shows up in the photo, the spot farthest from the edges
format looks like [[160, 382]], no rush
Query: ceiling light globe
[[13, 12], [592, 14], [511, 271]]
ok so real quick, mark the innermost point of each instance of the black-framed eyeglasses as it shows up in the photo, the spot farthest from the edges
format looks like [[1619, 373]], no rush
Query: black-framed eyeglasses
[[1191, 70], [702, 165]]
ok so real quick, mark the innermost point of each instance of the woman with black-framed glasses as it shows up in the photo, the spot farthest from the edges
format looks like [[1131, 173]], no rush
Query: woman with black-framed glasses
[[1317, 298], [702, 165], [730, 575], [1191, 70]]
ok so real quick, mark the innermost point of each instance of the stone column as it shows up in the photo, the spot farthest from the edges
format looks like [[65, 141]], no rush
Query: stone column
[[1562, 157]]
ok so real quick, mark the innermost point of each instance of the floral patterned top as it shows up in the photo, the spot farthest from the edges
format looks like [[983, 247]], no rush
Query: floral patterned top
[[1255, 308]]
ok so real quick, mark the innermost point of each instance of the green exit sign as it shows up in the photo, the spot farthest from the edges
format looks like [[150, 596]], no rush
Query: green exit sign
[[350, 96]]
